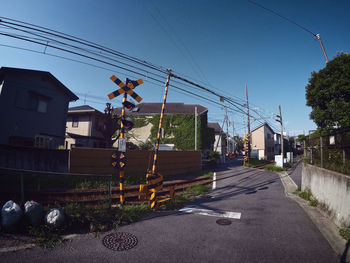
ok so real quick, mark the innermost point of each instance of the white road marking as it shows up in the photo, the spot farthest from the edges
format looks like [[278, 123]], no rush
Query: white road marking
[[214, 181], [207, 212]]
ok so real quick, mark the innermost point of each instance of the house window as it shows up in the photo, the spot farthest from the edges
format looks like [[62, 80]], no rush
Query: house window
[[75, 121], [42, 141], [42, 106], [37, 102]]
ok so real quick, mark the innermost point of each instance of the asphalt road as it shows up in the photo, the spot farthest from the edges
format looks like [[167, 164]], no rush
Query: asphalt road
[[272, 228]]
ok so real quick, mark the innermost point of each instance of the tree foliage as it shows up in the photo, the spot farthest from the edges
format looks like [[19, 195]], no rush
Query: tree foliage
[[239, 142], [110, 125], [328, 93]]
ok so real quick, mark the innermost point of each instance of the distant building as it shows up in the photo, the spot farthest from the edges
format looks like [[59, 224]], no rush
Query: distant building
[[219, 143], [83, 125], [33, 108], [262, 142]]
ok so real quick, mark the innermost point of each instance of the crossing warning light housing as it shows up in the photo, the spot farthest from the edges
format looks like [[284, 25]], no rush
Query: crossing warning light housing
[[128, 124]]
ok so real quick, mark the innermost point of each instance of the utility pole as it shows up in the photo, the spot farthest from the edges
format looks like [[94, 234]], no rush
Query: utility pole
[[227, 137], [281, 122], [323, 50], [233, 136], [248, 117], [195, 128]]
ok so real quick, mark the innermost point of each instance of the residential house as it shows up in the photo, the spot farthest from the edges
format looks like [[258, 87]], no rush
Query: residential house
[[83, 127], [219, 144], [33, 106], [262, 142], [178, 130]]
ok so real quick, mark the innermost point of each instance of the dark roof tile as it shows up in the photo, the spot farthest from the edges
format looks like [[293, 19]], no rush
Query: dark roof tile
[[68, 92], [154, 108]]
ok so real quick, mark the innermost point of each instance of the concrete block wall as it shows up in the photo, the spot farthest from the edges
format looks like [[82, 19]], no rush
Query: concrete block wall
[[331, 189]]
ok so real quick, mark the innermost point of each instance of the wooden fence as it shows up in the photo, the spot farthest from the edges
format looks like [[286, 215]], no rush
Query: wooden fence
[[97, 161], [31, 158]]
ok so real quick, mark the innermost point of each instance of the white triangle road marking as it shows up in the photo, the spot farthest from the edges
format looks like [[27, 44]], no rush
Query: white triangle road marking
[[207, 212]]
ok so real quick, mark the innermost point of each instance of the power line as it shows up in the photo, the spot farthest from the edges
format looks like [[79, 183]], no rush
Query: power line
[[45, 41], [283, 17]]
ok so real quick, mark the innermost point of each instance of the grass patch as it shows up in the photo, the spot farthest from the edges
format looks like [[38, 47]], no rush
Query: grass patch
[[45, 236], [254, 162], [275, 168], [207, 174], [306, 195], [345, 233], [190, 194], [198, 189], [313, 202]]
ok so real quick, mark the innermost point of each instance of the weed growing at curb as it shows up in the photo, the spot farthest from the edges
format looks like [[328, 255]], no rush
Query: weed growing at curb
[[306, 195], [345, 233], [313, 202]]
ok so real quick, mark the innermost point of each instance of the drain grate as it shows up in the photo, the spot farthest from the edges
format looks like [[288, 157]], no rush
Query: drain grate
[[120, 241], [223, 222]]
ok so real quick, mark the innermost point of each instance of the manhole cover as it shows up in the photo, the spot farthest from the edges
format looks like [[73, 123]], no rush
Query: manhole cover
[[223, 222], [119, 241]]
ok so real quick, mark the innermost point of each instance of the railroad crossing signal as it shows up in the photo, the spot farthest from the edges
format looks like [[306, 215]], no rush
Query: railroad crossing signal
[[128, 124], [128, 105], [125, 88], [246, 148], [118, 160]]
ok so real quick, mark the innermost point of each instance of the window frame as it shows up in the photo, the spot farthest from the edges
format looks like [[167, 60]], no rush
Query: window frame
[[75, 121]]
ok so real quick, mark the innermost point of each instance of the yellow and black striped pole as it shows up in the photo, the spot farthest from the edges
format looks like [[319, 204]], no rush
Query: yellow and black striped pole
[[121, 171], [153, 177]]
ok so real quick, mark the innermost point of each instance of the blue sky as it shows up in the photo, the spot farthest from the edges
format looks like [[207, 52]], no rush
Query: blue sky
[[225, 44]]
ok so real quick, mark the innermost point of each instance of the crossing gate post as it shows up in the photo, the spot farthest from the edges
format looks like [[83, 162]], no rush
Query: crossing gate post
[[119, 157], [122, 136], [154, 180]]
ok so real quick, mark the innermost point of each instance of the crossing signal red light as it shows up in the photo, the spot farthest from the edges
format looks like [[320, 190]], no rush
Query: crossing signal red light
[[128, 124], [129, 105]]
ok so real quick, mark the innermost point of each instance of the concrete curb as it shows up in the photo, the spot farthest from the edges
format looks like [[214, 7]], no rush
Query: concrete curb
[[289, 185], [32, 245], [327, 228], [17, 248]]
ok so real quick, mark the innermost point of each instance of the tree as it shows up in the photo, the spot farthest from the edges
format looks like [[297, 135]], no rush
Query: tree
[[291, 143], [328, 93], [239, 143], [110, 125], [302, 138]]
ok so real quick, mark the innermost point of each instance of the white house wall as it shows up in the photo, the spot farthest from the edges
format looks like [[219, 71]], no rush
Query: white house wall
[[83, 128]]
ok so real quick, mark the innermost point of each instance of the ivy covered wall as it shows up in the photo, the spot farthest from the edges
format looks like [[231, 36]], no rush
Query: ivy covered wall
[[179, 129]]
